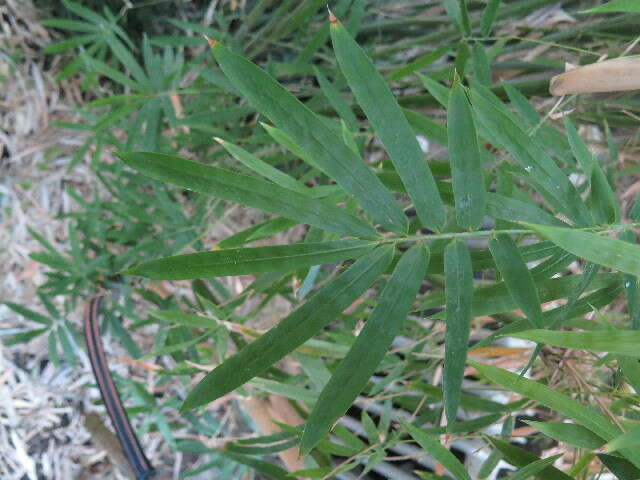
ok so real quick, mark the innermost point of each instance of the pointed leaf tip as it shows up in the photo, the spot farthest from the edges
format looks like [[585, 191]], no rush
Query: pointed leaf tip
[[212, 43], [332, 18]]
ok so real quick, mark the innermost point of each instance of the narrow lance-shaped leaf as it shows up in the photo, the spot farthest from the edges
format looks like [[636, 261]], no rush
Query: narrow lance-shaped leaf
[[521, 458], [621, 468], [570, 433], [293, 330], [390, 125], [488, 17], [457, 11], [263, 169], [629, 439], [602, 200], [629, 6], [586, 416], [517, 277], [481, 66], [623, 342], [492, 299], [258, 232], [313, 136], [466, 163], [631, 286], [242, 261], [605, 251], [419, 63], [422, 125], [514, 210], [369, 349], [337, 102], [497, 124], [234, 187], [432, 446], [495, 456], [534, 468], [458, 282]]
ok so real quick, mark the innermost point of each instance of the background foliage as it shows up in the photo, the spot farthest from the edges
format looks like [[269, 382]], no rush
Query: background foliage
[[508, 231]]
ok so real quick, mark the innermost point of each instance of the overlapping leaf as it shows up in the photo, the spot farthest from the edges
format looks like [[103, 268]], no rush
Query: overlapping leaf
[[599, 249], [292, 331], [459, 295], [390, 125], [241, 261], [227, 185], [311, 134], [369, 349]]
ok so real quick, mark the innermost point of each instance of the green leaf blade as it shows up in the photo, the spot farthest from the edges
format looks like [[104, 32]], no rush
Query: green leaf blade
[[459, 296], [234, 187], [466, 163], [308, 131], [369, 349], [622, 342], [629, 6], [570, 433], [521, 458], [605, 251], [243, 261], [390, 125], [263, 169], [534, 468], [432, 446], [586, 416], [292, 331], [517, 277]]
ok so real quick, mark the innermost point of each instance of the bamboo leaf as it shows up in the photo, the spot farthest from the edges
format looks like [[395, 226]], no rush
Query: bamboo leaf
[[623, 342], [514, 210], [586, 416], [243, 261], [419, 63], [234, 187], [629, 6], [313, 136], [629, 439], [258, 232], [464, 156], [468, 401], [187, 319], [517, 277], [569, 433], [496, 124], [521, 458], [384, 323], [458, 282], [338, 103], [67, 24], [426, 127], [481, 66], [29, 314], [457, 11], [263, 169], [292, 331], [492, 299], [390, 125], [605, 251], [621, 468], [602, 200], [488, 17], [433, 447], [534, 468]]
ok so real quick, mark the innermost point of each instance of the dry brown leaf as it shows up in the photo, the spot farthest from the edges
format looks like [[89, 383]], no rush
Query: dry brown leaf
[[617, 75]]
